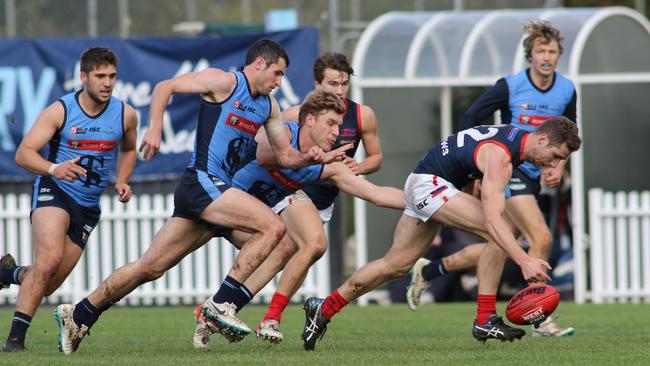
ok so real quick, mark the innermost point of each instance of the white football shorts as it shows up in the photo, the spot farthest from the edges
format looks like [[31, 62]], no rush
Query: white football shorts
[[325, 214], [425, 194]]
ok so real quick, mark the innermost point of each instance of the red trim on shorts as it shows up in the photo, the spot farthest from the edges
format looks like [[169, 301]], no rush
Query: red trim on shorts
[[435, 180], [444, 198], [501, 145]]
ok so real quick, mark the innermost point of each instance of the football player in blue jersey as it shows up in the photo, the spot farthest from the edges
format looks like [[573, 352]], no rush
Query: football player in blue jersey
[[489, 153], [320, 119], [308, 209], [234, 105], [90, 134], [525, 100]]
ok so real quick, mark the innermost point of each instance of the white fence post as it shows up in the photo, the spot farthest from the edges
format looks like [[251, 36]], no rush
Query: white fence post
[[619, 226]]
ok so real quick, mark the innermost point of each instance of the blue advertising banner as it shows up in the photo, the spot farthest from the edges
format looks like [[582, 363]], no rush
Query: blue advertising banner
[[36, 72]]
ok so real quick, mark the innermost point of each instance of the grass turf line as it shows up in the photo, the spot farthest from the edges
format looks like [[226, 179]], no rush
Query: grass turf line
[[376, 335]]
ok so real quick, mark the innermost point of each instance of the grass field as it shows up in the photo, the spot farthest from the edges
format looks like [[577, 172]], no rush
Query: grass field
[[375, 335]]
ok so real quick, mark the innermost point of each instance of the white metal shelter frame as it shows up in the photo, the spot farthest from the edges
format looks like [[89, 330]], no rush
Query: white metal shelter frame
[[453, 49]]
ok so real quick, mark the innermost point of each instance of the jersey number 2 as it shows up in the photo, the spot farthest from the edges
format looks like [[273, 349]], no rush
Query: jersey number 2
[[475, 134]]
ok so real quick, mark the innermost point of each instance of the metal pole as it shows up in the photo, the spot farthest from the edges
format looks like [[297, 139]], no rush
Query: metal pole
[[334, 24], [190, 10], [355, 10], [10, 18], [123, 18], [640, 6], [92, 18], [246, 10]]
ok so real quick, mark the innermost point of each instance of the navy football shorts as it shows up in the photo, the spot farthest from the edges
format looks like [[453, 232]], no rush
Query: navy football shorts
[[82, 219]]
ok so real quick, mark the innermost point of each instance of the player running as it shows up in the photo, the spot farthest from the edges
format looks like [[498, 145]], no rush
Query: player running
[[308, 209], [91, 134], [320, 119], [234, 105]]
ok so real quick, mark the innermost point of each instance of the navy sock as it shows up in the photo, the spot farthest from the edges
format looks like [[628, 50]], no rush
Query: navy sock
[[234, 292], [10, 275], [19, 326], [433, 270], [86, 313]]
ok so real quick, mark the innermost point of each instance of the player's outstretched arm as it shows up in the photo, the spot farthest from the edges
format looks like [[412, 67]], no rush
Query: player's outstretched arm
[[348, 182], [214, 85], [497, 169], [126, 159], [27, 156]]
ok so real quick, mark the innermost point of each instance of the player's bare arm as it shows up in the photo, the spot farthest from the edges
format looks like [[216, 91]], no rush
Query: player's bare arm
[[291, 114], [285, 155], [350, 183], [126, 158], [495, 164], [214, 85], [27, 156], [371, 144]]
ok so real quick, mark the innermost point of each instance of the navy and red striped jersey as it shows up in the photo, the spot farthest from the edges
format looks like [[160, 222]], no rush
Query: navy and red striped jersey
[[454, 159]]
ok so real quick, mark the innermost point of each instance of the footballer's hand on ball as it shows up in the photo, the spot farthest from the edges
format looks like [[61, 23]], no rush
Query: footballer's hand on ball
[[534, 270]]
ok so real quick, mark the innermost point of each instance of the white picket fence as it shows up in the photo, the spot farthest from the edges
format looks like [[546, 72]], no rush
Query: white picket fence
[[123, 234], [619, 257]]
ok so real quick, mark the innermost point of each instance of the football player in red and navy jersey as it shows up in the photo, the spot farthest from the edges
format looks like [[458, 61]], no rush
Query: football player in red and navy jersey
[[525, 99], [433, 199]]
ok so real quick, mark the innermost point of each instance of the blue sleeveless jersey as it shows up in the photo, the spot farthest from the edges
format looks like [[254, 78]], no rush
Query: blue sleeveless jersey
[[272, 185], [323, 194], [95, 140], [530, 107], [225, 135], [454, 158]]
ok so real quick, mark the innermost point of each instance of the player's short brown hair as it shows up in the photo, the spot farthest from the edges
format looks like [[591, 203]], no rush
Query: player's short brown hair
[[317, 102], [543, 29], [95, 57], [268, 50], [331, 60], [560, 130]]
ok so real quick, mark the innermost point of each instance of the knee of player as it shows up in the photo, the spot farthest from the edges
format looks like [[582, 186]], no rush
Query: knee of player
[[149, 272], [276, 229], [317, 247], [47, 268]]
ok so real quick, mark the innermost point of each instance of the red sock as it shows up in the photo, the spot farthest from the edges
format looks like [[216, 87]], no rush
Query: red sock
[[487, 305], [278, 303], [333, 304]]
